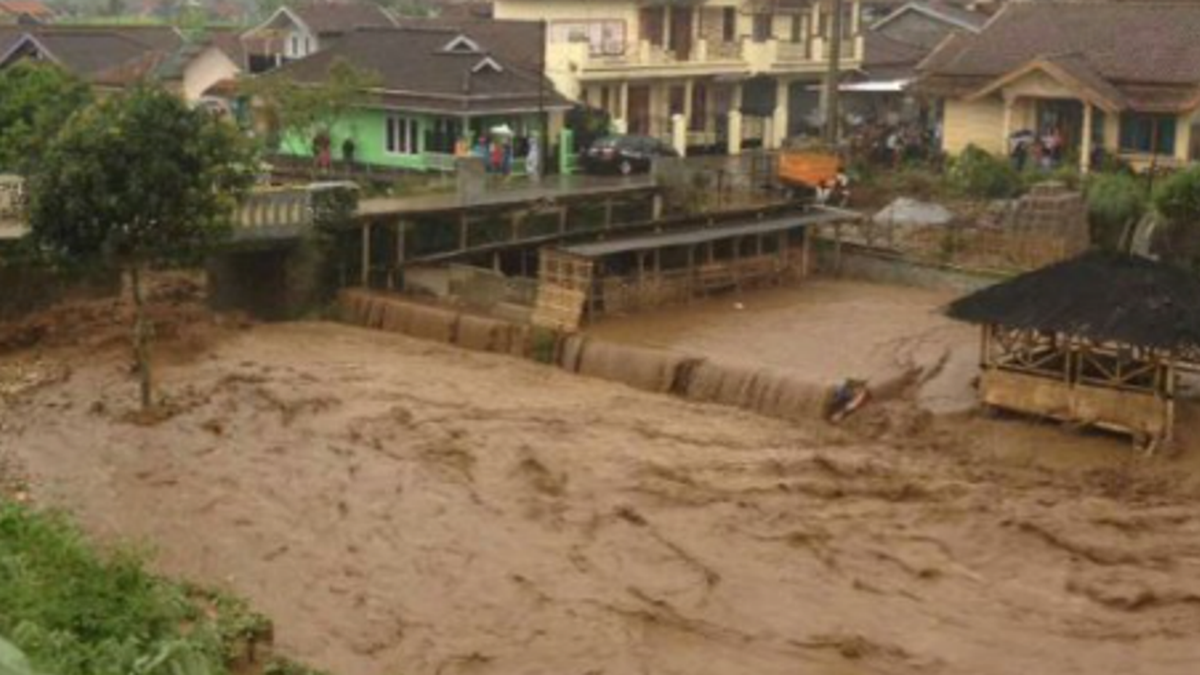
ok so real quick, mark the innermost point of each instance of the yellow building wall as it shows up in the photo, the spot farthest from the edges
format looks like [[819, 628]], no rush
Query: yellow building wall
[[979, 123], [207, 69]]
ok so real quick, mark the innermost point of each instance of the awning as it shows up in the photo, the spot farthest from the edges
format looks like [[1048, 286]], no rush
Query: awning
[[879, 87]]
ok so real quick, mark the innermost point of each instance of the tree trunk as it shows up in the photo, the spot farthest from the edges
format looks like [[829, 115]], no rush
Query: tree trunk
[[141, 338]]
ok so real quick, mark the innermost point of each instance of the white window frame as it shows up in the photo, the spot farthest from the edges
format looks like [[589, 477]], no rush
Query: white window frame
[[406, 132]]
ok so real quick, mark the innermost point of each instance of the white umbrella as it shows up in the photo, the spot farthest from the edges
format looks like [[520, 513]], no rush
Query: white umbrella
[[502, 130]]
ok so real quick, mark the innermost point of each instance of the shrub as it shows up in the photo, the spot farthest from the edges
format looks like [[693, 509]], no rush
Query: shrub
[[976, 173], [1114, 201], [74, 611], [1177, 199]]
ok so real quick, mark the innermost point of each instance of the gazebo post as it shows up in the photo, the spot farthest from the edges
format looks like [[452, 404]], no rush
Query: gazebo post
[[1169, 432]]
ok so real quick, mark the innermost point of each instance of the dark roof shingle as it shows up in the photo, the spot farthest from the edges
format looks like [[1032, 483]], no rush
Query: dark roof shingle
[[1098, 296], [99, 54], [1147, 42], [331, 18], [416, 72]]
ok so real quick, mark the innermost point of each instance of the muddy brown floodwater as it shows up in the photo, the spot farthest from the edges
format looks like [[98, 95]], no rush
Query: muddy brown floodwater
[[403, 508]]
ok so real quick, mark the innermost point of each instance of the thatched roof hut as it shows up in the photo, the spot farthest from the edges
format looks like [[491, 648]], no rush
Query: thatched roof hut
[[1098, 297]]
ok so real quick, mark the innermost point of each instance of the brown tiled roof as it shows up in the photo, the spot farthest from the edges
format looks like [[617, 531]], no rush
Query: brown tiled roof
[[416, 72], [331, 18], [1148, 51], [98, 54], [948, 13], [880, 51], [518, 42], [230, 42], [1124, 41], [34, 8]]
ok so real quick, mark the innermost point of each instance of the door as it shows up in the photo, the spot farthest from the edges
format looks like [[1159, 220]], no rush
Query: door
[[1064, 117], [652, 21], [681, 32], [639, 110]]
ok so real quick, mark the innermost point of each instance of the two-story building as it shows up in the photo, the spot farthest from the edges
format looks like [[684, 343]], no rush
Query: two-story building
[[715, 74]]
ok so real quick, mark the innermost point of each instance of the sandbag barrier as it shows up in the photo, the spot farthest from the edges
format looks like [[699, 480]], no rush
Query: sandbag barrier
[[428, 322], [695, 379]]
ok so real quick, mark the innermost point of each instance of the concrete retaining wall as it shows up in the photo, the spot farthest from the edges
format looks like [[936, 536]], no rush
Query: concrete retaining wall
[[865, 264], [657, 371]]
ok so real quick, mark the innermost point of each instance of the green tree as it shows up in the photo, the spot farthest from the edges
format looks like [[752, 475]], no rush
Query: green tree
[[139, 180], [295, 113], [36, 99]]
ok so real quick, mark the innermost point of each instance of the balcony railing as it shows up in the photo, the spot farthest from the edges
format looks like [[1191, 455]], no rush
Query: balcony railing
[[642, 54], [757, 55]]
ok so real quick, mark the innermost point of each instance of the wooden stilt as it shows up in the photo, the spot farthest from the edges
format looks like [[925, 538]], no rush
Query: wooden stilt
[[366, 254], [805, 253]]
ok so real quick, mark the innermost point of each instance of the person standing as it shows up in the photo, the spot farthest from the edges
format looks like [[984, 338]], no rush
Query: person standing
[[348, 150], [533, 159]]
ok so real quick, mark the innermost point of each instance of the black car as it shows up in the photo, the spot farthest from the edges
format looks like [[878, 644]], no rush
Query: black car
[[625, 154]]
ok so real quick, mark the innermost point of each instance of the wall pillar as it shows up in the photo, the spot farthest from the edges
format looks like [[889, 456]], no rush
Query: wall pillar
[[779, 124], [735, 133], [1085, 145], [1183, 137], [1006, 128], [679, 134]]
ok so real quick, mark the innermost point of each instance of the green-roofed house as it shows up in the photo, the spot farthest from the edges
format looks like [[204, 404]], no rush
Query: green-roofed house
[[439, 88]]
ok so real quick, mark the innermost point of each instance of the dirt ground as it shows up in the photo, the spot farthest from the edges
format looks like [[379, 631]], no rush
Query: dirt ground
[[401, 507]]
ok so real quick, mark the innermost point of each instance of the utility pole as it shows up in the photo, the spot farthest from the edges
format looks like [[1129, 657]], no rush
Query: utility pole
[[833, 76]]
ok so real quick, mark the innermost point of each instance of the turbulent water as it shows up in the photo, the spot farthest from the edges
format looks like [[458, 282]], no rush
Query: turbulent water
[[403, 507]]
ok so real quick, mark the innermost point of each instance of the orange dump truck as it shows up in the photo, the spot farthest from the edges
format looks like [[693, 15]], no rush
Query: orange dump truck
[[813, 170]]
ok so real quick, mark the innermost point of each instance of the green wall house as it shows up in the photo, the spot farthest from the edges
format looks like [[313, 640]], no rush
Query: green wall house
[[438, 92]]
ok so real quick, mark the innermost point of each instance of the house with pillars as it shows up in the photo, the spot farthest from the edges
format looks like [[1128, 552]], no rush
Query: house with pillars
[[704, 75], [1111, 78]]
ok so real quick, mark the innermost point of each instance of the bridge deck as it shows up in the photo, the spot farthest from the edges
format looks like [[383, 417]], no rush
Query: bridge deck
[[550, 189]]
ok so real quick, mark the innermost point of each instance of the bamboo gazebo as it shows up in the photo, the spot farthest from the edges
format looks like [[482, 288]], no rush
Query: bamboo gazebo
[[1099, 340]]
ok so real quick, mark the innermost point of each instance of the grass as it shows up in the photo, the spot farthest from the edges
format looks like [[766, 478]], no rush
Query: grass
[[71, 608]]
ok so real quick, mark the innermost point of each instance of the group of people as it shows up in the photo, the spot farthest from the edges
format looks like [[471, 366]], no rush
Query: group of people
[[1045, 151], [323, 152], [500, 152], [893, 144]]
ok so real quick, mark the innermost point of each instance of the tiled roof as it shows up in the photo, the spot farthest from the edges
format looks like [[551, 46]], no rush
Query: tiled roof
[[98, 54], [518, 42], [1147, 52], [879, 50], [34, 8], [326, 18], [940, 10], [416, 72], [1124, 41]]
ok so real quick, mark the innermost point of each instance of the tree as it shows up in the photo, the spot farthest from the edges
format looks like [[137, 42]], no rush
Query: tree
[[1177, 199], [36, 99], [295, 113], [139, 180]]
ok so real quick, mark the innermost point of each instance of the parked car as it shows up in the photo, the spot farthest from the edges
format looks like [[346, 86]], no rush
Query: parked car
[[625, 154]]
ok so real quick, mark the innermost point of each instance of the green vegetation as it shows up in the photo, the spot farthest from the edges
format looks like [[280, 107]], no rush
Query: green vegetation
[[36, 99], [1177, 199], [68, 609], [139, 180], [297, 113], [980, 175], [1115, 201]]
